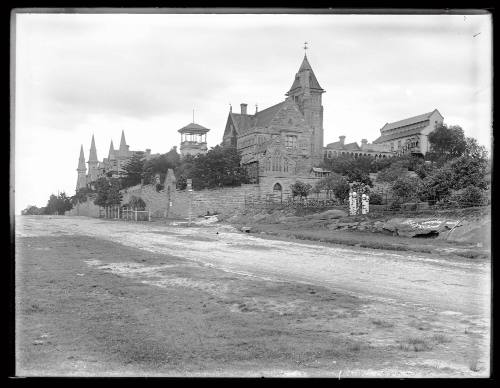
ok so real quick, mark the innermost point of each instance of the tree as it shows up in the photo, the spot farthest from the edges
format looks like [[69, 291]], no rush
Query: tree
[[58, 204], [438, 184], [32, 210], [334, 184], [219, 167], [341, 189], [474, 150], [447, 141], [393, 172], [108, 192], [114, 196], [469, 196], [160, 165], [406, 187], [357, 175], [468, 171], [300, 189], [133, 170], [81, 195]]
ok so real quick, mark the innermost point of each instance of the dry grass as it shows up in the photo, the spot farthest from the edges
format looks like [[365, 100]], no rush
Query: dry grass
[[417, 344], [381, 323], [441, 338]]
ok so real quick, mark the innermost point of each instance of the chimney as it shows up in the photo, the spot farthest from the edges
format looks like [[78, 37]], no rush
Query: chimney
[[148, 151], [342, 139], [243, 109], [364, 142]]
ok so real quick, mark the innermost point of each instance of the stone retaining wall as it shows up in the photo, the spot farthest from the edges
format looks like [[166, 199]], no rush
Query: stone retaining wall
[[223, 201]]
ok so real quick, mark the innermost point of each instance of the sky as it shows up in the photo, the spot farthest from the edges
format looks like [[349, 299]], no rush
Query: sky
[[83, 74]]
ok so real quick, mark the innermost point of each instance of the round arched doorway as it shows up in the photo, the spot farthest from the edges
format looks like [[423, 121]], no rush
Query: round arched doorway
[[278, 191]]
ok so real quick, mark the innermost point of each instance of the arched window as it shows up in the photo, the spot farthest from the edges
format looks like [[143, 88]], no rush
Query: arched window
[[278, 191], [329, 154]]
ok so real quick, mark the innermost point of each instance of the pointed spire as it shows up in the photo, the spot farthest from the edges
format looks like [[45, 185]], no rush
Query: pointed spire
[[123, 143], [111, 154], [93, 152], [305, 78], [81, 161]]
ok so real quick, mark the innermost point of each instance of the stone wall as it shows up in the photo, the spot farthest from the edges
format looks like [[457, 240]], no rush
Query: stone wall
[[223, 201], [87, 209]]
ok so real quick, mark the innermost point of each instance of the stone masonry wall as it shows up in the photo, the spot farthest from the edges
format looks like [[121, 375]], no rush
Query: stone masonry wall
[[223, 201], [86, 208]]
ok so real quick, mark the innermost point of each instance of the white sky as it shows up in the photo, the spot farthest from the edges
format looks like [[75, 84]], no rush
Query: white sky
[[84, 74]]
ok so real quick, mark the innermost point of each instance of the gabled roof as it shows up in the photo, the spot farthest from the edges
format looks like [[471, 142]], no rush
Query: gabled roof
[[193, 128], [241, 122], [346, 147], [261, 119], [387, 136], [264, 117], [409, 121]]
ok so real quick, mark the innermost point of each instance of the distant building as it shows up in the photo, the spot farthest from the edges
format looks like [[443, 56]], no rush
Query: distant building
[[193, 139], [410, 135], [339, 148], [110, 166]]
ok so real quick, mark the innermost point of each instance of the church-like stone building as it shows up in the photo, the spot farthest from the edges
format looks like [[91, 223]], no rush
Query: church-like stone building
[[283, 143], [111, 166]]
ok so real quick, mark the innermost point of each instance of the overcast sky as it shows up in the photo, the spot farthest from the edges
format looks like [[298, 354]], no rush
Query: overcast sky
[[84, 74]]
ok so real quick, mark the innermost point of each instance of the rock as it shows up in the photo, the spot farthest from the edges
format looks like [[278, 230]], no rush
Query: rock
[[329, 214], [246, 229], [411, 227]]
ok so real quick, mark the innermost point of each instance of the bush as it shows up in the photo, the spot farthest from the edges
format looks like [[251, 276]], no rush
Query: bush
[[136, 203], [406, 188], [470, 196], [375, 199], [300, 189]]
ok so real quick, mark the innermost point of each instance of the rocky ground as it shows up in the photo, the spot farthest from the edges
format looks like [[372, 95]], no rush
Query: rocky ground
[[466, 233]]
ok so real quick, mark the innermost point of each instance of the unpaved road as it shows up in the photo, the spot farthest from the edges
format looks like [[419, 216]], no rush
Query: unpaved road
[[419, 279], [401, 301]]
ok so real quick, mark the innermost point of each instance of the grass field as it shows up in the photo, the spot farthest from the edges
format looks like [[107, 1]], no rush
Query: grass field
[[85, 306]]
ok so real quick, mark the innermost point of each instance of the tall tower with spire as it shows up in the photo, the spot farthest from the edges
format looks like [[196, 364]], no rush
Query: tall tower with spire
[[93, 162], [306, 93], [123, 150], [82, 171]]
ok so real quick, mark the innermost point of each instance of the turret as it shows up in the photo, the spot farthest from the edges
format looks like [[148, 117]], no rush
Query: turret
[[124, 148], [82, 171], [93, 162], [193, 139], [111, 154], [306, 93]]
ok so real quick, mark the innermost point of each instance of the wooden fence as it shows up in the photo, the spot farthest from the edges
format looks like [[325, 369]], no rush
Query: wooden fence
[[119, 213]]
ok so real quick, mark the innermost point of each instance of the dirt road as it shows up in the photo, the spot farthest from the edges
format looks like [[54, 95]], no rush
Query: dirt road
[[409, 294], [420, 279]]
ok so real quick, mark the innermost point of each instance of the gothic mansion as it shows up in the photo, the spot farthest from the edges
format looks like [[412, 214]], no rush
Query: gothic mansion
[[283, 143]]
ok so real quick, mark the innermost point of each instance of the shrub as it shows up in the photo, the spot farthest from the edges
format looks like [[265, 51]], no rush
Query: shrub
[[136, 203], [470, 196], [300, 189], [375, 199], [406, 188]]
